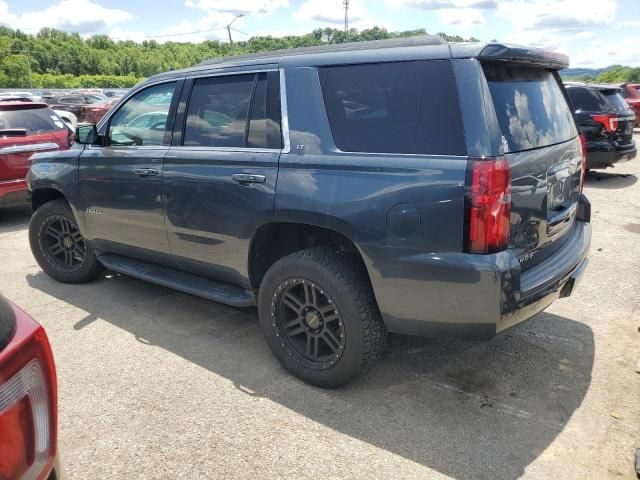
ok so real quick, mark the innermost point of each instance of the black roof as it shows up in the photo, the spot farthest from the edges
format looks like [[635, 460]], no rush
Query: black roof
[[398, 49], [275, 55]]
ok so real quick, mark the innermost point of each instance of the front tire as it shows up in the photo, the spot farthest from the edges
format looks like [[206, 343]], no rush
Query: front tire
[[58, 245], [319, 316]]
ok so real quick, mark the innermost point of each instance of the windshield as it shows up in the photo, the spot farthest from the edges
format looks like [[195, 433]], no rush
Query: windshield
[[615, 100], [33, 120], [531, 107]]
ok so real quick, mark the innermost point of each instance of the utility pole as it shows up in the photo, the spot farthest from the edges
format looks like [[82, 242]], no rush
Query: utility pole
[[346, 17], [229, 27]]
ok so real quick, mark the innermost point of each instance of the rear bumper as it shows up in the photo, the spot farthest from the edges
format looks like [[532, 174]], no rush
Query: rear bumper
[[475, 295], [13, 192], [603, 155]]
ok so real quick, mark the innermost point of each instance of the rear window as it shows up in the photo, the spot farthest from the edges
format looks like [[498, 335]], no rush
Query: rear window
[[33, 120], [587, 100], [530, 105], [400, 107], [615, 100]]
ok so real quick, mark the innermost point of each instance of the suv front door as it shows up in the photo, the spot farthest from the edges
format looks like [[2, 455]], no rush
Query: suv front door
[[220, 173], [121, 181]]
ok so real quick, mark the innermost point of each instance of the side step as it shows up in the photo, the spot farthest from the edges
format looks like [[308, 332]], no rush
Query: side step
[[181, 281]]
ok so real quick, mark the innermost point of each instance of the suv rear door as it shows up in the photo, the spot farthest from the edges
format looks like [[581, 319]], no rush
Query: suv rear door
[[541, 144], [220, 173]]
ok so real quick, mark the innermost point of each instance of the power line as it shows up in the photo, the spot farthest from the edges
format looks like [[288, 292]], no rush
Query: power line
[[169, 34]]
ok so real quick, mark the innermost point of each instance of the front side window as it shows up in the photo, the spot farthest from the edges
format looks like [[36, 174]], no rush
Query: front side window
[[143, 119], [399, 107], [235, 111]]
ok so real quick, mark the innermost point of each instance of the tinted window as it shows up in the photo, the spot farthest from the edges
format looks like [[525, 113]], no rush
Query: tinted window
[[218, 110], [33, 120], [402, 107], [586, 100], [530, 105], [264, 125], [131, 125], [615, 100]]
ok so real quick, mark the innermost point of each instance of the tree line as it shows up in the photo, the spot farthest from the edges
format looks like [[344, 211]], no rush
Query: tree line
[[52, 58], [613, 74]]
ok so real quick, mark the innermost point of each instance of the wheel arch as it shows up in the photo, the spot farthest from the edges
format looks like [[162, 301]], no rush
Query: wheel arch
[[275, 240], [42, 195]]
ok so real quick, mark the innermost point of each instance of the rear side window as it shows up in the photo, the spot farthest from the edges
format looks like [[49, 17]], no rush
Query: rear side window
[[33, 120], [397, 107], [586, 100], [264, 124], [531, 108], [615, 100], [234, 111]]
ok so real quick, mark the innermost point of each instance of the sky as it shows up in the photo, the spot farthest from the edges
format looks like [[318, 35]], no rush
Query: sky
[[594, 33]]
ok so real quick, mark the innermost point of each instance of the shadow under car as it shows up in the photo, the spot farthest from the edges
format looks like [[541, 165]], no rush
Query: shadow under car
[[467, 409]]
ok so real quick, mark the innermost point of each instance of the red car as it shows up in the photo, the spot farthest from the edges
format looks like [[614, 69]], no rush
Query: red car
[[26, 128], [28, 398], [631, 93], [88, 107]]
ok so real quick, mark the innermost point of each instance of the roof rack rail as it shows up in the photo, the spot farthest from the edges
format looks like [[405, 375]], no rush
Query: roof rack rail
[[417, 41]]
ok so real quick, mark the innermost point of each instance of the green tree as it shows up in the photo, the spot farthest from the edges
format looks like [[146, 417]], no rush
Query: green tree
[[17, 70]]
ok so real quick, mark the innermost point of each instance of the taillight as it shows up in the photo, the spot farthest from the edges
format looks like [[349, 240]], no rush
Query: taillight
[[28, 403], [609, 122], [488, 205], [583, 154]]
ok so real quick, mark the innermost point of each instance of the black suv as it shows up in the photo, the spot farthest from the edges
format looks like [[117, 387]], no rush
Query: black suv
[[606, 121], [411, 186]]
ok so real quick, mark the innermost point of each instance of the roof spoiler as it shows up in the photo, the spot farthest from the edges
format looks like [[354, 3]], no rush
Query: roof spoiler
[[496, 52]]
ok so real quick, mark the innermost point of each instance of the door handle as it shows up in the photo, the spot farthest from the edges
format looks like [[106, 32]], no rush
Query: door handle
[[146, 172], [248, 178]]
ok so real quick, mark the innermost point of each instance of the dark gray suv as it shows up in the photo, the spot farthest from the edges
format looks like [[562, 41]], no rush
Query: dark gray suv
[[411, 186]]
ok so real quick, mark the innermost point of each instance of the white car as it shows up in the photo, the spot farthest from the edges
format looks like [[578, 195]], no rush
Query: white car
[[69, 118]]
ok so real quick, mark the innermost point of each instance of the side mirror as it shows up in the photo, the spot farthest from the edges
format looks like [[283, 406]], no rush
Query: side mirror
[[87, 135]]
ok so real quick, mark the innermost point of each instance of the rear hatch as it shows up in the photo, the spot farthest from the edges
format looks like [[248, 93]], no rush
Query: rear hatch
[[623, 134], [24, 130], [541, 144]]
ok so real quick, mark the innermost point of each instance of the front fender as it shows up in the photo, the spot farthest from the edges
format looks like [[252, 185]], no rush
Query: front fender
[[58, 171]]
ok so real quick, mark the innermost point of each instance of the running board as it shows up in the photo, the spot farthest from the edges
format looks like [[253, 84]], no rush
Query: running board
[[181, 281]]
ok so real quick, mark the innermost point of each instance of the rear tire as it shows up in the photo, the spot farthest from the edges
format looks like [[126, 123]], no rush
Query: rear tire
[[319, 316], [58, 245]]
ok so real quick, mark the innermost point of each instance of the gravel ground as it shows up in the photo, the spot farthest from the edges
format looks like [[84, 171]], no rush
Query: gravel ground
[[157, 384]]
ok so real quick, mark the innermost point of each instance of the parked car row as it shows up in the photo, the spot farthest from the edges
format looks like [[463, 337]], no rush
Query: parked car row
[[367, 209], [87, 105]]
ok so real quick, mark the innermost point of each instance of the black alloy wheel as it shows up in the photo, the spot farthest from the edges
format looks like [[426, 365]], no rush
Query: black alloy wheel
[[58, 245], [62, 242], [307, 320]]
